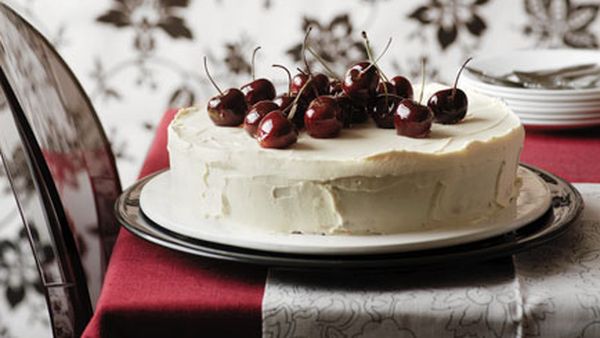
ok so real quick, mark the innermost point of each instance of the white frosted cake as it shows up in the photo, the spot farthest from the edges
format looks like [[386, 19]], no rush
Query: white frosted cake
[[368, 180]]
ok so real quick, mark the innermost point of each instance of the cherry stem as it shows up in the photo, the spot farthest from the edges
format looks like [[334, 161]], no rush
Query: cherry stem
[[289, 75], [210, 77], [458, 76], [294, 104], [304, 46], [323, 63], [254, 58], [367, 45], [391, 95], [370, 55], [385, 49], [301, 71], [422, 80]]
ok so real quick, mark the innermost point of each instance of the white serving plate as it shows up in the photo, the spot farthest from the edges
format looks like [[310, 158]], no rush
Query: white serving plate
[[156, 198], [557, 117], [554, 124], [577, 105], [556, 110]]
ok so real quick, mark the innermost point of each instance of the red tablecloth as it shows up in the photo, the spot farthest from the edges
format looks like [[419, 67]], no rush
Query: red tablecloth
[[150, 291]]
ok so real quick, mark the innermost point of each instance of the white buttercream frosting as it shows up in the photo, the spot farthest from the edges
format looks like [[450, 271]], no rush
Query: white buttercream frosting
[[368, 180]]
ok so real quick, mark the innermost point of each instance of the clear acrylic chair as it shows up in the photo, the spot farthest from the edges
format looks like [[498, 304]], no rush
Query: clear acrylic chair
[[60, 169]]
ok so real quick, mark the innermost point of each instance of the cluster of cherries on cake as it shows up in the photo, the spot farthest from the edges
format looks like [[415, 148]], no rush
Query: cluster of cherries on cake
[[323, 106]]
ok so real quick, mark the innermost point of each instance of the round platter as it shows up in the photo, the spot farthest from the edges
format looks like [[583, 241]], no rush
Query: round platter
[[565, 207], [156, 197]]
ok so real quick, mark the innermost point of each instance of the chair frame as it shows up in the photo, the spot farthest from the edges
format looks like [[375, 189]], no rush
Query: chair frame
[[74, 285]]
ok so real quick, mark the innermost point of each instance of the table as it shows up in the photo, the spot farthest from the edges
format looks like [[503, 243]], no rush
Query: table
[[150, 291]]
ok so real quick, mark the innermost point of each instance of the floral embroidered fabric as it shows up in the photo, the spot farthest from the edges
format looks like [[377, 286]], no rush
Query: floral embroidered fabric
[[550, 291]]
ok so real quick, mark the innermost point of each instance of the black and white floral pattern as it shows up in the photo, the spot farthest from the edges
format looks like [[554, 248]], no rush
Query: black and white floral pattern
[[451, 17], [558, 23]]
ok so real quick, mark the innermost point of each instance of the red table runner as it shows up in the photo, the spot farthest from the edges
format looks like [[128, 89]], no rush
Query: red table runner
[[150, 291]]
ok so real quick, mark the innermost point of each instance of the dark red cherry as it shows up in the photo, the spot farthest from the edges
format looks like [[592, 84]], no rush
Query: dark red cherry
[[323, 118], [276, 131], [360, 82], [335, 87], [385, 87], [298, 118], [352, 113], [258, 90], [449, 106], [383, 111], [402, 86], [412, 119], [318, 85], [284, 101], [256, 113], [298, 81], [227, 109]]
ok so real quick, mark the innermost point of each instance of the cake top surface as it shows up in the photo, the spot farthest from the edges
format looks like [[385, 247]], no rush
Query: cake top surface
[[487, 118]]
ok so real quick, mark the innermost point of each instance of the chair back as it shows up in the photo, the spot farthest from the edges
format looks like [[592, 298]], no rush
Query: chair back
[[60, 168]]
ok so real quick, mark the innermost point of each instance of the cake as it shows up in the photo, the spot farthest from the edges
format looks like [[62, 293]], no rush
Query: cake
[[365, 181]]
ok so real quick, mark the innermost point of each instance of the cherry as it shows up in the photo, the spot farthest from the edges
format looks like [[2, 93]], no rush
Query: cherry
[[256, 113], [362, 79], [298, 82], [320, 83], [317, 84], [284, 101], [334, 84], [385, 87], [300, 111], [258, 90], [228, 108], [360, 82], [276, 131], [335, 87], [323, 118], [449, 106], [352, 113], [402, 87], [383, 110], [302, 95], [412, 119]]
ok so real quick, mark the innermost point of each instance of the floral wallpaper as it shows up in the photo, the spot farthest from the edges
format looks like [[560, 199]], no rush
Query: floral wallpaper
[[136, 58]]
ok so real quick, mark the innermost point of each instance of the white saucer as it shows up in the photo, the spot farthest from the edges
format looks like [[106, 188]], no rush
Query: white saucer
[[556, 110], [557, 117], [155, 201], [559, 124], [577, 105]]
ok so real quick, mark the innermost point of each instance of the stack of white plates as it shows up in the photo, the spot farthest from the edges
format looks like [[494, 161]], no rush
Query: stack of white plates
[[540, 108]]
